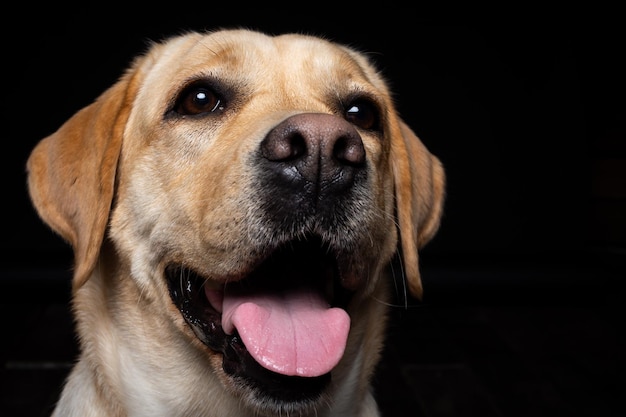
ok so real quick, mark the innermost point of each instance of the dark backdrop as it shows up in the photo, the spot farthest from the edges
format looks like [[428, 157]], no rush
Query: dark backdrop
[[524, 283], [529, 121]]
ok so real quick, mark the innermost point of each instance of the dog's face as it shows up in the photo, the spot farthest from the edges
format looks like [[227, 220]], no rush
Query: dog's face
[[252, 189]]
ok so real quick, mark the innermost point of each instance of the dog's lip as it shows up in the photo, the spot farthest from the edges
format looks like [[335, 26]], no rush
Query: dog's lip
[[200, 302]]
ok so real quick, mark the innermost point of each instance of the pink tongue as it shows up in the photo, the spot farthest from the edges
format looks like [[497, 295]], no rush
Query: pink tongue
[[293, 333]]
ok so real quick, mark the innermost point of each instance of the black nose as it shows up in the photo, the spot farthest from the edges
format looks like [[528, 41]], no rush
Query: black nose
[[314, 155]]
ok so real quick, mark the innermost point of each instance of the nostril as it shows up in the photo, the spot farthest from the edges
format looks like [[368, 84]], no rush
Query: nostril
[[297, 146], [284, 146], [349, 150]]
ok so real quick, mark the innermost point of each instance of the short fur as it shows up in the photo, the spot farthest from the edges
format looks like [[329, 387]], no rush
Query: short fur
[[144, 178]]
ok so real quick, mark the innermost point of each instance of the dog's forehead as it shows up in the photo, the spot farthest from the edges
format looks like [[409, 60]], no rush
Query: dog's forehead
[[288, 61], [253, 51]]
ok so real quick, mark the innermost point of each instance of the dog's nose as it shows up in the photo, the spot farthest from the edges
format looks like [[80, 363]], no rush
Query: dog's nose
[[315, 150]]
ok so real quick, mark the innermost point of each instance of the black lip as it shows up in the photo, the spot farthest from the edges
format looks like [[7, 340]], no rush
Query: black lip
[[187, 293]]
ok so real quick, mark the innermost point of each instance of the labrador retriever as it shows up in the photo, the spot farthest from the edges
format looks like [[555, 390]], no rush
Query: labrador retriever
[[239, 206]]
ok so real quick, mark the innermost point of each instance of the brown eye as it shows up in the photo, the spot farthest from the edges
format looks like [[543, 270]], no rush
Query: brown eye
[[363, 114], [198, 99]]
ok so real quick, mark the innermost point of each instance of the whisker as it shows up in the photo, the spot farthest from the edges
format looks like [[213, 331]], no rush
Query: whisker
[[401, 278]]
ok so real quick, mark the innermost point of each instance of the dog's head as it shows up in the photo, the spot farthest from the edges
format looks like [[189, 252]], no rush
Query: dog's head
[[255, 189]]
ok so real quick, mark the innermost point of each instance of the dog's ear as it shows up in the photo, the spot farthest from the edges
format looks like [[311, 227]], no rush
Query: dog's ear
[[420, 191], [71, 173]]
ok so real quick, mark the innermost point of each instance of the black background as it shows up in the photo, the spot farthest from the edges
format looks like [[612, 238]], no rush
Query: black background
[[518, 115], [529, 121]]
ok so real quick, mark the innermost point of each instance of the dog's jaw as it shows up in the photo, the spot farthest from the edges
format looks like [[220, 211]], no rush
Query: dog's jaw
[[301, 265]]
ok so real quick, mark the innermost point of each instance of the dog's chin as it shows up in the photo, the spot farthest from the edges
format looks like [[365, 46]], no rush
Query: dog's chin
[[260, 386]]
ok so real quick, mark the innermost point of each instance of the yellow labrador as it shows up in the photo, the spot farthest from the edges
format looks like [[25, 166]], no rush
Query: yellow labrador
[[235, 202]]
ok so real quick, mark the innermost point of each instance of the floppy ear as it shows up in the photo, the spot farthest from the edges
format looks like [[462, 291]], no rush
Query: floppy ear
[[71, 174], [420, 191]]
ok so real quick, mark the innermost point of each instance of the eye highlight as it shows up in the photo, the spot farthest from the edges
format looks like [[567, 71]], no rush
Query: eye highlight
[[363, 114], [198, 98]]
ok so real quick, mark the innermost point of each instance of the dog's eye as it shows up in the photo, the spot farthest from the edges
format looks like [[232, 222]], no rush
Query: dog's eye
[[198, 99], [363, 114]]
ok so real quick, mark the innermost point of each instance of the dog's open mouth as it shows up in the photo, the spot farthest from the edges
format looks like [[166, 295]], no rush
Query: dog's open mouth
[[282, 328]]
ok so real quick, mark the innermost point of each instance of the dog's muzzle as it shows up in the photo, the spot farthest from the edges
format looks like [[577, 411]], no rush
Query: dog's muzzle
[[284, 326], [296, 275]]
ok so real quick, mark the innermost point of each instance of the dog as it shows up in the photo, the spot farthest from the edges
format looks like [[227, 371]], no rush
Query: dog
[[240, 206]]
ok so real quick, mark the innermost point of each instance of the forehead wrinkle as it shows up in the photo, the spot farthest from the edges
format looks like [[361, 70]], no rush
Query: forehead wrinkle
[[289, 62], [315, 69]]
